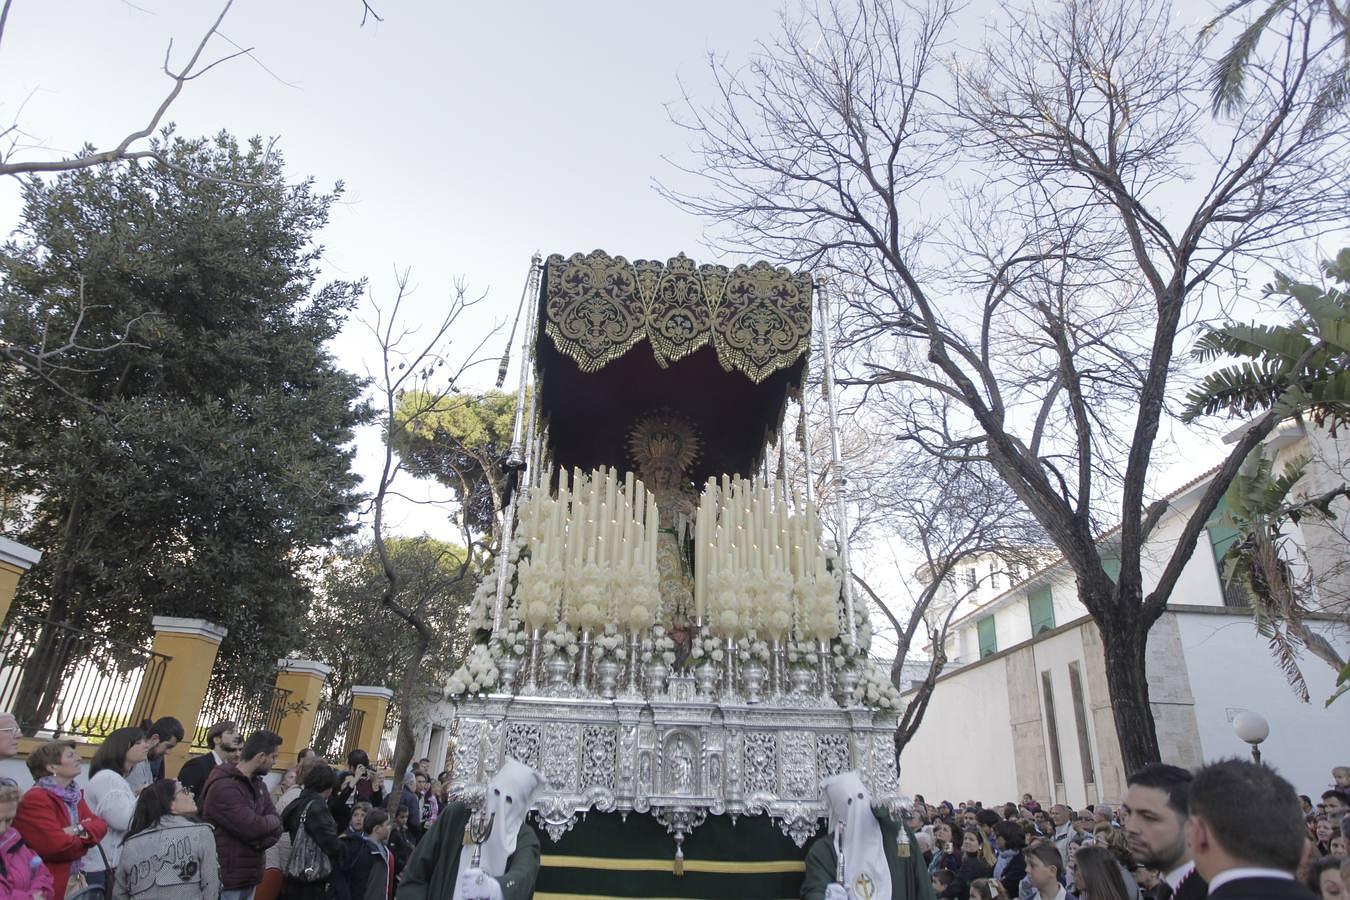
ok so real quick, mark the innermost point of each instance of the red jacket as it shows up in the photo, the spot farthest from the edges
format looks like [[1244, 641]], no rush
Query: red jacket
[[41, 818], [246, 824]]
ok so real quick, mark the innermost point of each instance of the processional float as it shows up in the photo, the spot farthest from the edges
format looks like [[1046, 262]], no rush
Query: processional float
[[670, 632]]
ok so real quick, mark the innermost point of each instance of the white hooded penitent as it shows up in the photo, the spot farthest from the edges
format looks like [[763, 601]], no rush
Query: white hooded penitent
[[508, 801], [866, 874]]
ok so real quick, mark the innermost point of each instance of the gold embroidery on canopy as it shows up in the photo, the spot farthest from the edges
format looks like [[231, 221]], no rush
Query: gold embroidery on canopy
[[597, 306]]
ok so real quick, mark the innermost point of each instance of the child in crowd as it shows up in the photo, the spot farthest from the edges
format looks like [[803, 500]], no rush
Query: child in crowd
[[22, 874]]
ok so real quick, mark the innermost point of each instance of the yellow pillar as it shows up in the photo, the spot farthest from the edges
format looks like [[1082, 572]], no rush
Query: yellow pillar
[[15, 559], [304, 678], [191, 645], [374, 703]]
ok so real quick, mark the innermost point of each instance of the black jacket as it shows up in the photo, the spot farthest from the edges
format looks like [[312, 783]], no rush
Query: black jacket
[[1262, 889], [1013, 873], [193, 774], [319, 823]]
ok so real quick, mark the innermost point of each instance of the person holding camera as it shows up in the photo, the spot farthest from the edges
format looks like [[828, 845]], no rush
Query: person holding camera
[[360, 784], [53, 818]]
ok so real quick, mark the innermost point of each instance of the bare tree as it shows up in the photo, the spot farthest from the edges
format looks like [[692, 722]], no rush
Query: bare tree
[[132, 145], [418, 366], [953, 515], [1023, 235]]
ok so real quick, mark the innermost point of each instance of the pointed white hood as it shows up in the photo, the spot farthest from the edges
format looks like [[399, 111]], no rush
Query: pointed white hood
[[508, 800], [866, 874]]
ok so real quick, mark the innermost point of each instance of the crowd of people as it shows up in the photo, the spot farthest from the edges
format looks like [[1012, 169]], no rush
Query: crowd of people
[[1015, 851], [216, 832], [219, 832]]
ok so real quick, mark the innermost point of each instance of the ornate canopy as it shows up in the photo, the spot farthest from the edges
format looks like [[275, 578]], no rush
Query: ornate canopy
[[724, 346]]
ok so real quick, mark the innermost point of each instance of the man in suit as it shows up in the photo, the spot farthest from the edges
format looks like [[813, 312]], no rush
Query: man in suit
[[1246, 832], [223, 739], [1154, 816]]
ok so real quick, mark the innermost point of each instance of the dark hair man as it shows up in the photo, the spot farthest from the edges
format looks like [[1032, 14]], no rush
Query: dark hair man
[[1154, 815], [221, 739], [1246, 832], [162, 735], [360, 784], [236, 801], [1336, 803]]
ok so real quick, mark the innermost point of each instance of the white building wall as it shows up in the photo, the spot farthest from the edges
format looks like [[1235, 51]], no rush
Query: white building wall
[[954, 754], [1231, 669], [1054, 655]]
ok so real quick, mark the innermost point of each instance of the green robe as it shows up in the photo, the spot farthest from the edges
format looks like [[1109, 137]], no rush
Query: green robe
[[909, 876], [434, 867]]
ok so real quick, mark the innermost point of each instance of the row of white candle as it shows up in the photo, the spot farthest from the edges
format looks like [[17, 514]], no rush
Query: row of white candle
[[743, 526], [595, 518]]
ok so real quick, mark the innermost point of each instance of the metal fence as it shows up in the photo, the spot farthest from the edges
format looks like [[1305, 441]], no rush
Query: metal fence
[[337, 728], [389, 740], [250, 709], [60, 681]]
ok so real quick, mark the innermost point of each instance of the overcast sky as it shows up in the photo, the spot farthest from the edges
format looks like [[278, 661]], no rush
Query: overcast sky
[[469, 135]]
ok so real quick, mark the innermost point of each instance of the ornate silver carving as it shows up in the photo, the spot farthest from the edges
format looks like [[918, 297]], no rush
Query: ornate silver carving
[[681, 761], [761, 775], [597, 757], [468, 749], [680, 755], [798, 763], [559, 763], [522, 743], [831, 754]]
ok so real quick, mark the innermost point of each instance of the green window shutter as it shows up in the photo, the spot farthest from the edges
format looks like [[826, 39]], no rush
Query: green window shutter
[[1042, 607], [1112, 566], [988, 637], [1222, 530]]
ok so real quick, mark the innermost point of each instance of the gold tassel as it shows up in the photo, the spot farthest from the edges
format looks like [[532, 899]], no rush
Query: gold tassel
[[678, 867]]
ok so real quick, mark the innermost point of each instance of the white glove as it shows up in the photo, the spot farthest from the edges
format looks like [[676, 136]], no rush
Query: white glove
[[475, 884], [835, 891]]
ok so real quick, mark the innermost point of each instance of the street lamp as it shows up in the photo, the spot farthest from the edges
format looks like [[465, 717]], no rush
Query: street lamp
[[1253, 728]]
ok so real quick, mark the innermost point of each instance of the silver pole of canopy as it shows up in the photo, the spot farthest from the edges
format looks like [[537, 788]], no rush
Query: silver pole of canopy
[[516, 457], [836, 460]]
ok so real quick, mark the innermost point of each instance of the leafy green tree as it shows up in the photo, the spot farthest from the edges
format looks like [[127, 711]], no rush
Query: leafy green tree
[[192, 449], [350, 627], [458, 439], [1301, 368]]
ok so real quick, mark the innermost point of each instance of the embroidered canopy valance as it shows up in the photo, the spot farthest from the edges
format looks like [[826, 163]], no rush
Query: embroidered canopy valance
[[596, 307]]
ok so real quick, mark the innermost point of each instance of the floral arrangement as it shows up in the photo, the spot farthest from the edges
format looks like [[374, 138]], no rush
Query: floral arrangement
[[847, 654], [801, 654], [511, 643], [773, 597], [748, 648], [730, 602], [560, 639], [818, 607], [478, 674], [586, 599], [480, 609], [875, 689], [609, 645], [658, 647], [705, 647], [537, 594], [643, 598]]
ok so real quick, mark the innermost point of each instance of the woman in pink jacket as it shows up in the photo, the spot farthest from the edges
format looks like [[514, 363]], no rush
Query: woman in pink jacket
[[22, 874]]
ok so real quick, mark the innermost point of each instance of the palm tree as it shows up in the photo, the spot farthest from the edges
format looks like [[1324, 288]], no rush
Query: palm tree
[[1226, 82], [1299, 369]]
